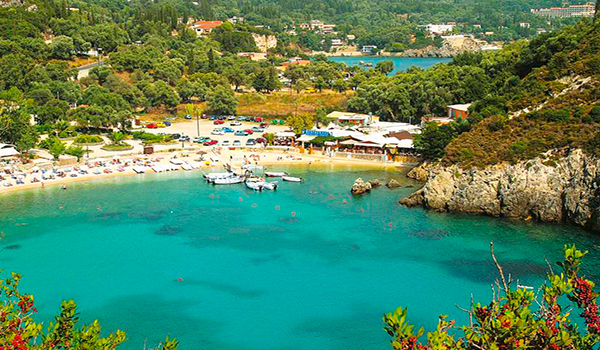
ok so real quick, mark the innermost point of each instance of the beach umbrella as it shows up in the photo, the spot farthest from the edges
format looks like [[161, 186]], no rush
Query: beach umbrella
[[201, 152]]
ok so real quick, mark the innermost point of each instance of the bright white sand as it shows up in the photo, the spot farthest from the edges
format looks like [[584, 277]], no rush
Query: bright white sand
[[190, 152]]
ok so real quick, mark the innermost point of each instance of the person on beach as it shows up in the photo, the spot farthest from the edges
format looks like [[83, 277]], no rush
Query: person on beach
[[64, 187]]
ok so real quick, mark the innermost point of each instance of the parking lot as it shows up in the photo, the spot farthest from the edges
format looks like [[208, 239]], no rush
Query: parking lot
[[231, 136]]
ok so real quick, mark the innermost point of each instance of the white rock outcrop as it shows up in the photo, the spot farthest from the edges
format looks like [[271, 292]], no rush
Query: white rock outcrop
[[564, 191]]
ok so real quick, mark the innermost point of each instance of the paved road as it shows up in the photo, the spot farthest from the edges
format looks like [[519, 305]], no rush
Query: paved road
[[84, 71]]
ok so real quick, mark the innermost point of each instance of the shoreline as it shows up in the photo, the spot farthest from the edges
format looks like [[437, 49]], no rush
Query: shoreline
[[271, 159]]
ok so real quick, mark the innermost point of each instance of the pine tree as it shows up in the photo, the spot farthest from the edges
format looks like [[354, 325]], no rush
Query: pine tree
[[206, 10], [63, 9], [211, 60]]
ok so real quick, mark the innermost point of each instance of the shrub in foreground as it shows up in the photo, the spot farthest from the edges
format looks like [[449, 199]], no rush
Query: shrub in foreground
[[516, 319], [19, 331]]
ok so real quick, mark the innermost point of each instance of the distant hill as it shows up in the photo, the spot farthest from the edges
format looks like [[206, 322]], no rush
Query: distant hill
[[555, 105]]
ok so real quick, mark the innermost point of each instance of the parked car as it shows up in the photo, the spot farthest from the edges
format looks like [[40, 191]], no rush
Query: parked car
[[235, 123], [264, 125], [221, 117], [241, 133], [210, 143], [187, 116], [184, 138], [241, 118], [237, 143], [217, 132], [226, 129], [258, 129], [175, 136], [249, 131], [161, 125], [259, 119], [152, 126], [201, 139], [204, 116], [218, 122], [212, 117], [261, 140], [167, 123], [231, 117], [250, 142], [225, 143]]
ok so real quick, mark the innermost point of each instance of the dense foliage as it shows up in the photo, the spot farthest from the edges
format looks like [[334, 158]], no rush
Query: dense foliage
[[538, 96], [516, 319]]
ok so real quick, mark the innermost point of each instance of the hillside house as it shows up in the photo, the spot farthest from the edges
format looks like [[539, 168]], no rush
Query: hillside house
[[459, 111], [205, 27]]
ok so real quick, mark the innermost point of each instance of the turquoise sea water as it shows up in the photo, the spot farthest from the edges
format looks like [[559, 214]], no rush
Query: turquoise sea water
[[278, 270], [400, 63]]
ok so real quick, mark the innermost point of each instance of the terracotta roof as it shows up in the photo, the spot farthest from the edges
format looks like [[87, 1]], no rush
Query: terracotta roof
[[300, 62], [207, 24]]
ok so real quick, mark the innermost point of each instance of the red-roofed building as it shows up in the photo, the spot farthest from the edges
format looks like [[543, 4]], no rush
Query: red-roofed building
[[205, 27], [299, 62]]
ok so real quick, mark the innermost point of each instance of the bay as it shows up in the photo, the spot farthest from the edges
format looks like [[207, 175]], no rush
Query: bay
[[305, 267], [400, 63]]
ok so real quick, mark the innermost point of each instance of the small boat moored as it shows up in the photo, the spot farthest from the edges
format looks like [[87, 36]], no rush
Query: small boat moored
[[229, 180], [292, 179], [254, 185], [275, 174], [214, 176]]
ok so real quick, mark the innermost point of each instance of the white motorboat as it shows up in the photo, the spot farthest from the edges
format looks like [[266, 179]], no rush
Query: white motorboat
[[275, 174], [270, 185], [213, 176], [229, 181], [254, 185], [261, 185], [291, 179]]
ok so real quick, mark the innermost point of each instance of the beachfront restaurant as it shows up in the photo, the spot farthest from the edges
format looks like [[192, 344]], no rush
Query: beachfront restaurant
[[285, 138], [374, 146]]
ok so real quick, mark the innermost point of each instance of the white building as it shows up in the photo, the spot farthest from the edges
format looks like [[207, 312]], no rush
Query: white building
[[439, 29], [368, 49], [351, 118], [336, 42], [7, 150], [579, 10]]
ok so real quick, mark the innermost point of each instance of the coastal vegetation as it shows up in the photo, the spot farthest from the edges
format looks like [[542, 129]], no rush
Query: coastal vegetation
[[516, 318], [19, 330], [537, 96]]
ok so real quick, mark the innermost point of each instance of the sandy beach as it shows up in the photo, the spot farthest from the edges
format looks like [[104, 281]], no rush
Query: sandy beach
[[205, 159], [265, 158]]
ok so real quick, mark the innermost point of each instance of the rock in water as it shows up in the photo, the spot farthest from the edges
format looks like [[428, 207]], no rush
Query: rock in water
[[393, 184], [375, 183], [360, 187], [415, 199]]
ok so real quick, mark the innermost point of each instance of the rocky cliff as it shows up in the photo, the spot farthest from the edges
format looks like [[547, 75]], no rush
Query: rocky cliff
[[264, 42], [452, 46], [562, 190]]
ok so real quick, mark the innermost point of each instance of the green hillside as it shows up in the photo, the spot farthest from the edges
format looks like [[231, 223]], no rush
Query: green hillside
[[545, 95]]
